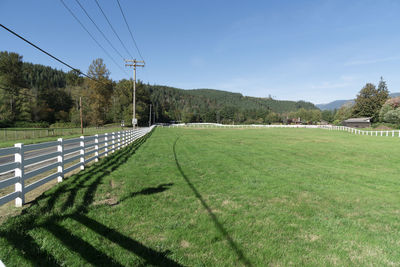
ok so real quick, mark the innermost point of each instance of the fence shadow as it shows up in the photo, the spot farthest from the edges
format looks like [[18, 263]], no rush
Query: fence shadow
[[147, 191], [242, 258], [51, 208]]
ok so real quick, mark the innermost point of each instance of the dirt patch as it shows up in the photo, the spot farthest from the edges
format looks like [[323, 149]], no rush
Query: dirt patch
[[112, 201], [185, 244], [312, 237]]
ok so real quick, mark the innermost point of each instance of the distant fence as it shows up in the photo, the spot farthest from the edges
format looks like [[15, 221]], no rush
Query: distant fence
[[25, 165], [391, 133], [219, 125]]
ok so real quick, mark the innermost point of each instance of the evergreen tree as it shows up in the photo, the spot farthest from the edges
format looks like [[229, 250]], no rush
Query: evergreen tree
[[99, 92], [11, 82], [370, 100]]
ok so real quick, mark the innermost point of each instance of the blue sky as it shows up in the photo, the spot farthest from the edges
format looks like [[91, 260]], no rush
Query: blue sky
[[316, 51]]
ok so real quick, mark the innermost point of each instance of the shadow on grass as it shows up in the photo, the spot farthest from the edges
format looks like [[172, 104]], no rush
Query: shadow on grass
[[213, 217], [52, 207], [147, 191]]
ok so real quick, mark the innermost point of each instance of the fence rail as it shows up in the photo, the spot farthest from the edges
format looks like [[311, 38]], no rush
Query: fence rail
[[30, 166], [391, 133]]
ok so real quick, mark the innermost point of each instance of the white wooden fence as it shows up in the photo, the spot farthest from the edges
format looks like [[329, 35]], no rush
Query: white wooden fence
[[62, 156], [391, 133]]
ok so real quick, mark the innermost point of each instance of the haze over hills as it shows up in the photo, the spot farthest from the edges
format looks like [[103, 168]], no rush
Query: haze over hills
[[338, 103]]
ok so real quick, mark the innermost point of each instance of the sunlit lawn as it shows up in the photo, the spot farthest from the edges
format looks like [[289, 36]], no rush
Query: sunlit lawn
[[221, 197]]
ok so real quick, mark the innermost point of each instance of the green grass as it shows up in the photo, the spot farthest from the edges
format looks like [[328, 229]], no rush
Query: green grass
[[221, 197], [26, 136]]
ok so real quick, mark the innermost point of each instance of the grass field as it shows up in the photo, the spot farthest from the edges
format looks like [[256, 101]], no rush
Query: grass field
[[32, 136], [221, 197]]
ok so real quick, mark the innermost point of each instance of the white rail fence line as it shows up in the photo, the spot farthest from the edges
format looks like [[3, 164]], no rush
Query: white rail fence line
[[77, 149], [391, 133]]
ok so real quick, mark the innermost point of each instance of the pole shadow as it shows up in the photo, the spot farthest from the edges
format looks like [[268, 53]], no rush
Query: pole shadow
[[213, 217], [147, 191]]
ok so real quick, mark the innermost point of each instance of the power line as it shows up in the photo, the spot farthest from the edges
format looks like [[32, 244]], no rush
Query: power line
[[94, 39], [47, 53], [98, 28], [127, 25], [115, 32]]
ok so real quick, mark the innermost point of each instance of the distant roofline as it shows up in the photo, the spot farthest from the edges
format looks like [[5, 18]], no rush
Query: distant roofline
[[363, 119]]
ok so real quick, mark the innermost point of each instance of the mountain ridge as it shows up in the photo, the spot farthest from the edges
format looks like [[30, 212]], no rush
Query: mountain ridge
[[336, 104]]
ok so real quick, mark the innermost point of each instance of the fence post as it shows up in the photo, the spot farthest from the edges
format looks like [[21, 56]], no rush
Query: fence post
[[96, 148], [106, 144], [123, 141], [113, 142], [60, 160], [119, 140], [82, 152], [19, 172], [131, 136]]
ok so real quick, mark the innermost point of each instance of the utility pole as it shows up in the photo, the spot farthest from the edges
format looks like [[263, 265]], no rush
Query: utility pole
[[80, 113], [134, 63], [150, 116], [154, 115]]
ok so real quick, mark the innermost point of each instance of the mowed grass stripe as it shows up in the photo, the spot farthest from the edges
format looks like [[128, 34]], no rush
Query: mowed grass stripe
[[222, 197]]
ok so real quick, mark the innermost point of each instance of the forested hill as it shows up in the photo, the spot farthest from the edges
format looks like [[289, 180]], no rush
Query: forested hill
[[248, 102], [199, 101], [32, 94]]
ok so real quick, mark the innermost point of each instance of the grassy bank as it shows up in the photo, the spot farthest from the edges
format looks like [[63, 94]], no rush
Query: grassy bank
[[221, 197]]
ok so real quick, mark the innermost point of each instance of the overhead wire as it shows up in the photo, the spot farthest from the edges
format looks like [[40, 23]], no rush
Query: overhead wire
[[98, 28], [115, 32], [129, 29], [47, 53], [94, 39]]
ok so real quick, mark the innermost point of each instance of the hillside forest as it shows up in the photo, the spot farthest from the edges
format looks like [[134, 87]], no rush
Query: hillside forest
[[33, 95]]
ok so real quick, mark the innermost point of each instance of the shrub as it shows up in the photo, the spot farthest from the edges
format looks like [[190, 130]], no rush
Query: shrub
[[5, 124], [392, 116], [390, 105], [385, 109], [28, 124], [64, 125], [385, 125]]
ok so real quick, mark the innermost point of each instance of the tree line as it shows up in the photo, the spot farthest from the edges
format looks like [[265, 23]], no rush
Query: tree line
[[374, 102], [34, 95]]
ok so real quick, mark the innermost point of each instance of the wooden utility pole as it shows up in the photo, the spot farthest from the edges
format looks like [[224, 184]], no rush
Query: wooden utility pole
[[150, 116], [154, 114], [134, 63], [80, 113]]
